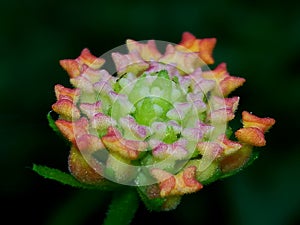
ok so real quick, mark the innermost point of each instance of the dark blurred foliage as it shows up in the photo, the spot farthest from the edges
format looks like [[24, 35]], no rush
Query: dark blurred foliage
[[259, 40]]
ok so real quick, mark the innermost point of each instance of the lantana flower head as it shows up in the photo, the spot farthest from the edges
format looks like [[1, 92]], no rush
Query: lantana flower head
[[154, 116]]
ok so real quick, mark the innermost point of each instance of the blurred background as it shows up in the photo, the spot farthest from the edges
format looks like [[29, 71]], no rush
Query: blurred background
[[259, 40]]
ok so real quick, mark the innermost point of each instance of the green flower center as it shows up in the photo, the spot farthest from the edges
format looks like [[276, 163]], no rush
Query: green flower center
[[151, 109], [151, 96]]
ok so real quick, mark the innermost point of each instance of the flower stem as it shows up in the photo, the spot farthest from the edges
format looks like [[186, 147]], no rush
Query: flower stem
[[122, 208]]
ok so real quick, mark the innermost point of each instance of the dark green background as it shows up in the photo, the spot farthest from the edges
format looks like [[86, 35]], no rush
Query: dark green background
[[259, 40]]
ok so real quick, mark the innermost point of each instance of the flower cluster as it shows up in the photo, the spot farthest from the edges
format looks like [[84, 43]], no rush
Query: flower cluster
[[159, 123]]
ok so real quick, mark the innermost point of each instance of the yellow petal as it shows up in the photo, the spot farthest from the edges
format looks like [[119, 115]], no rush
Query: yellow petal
[[179, 184], [66, 109], [250, 120], [128, 149], [74, 67], [204, 47]]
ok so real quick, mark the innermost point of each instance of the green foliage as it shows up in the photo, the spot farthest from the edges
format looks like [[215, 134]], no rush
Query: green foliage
[[65, 178], [52, 124], [122, 208], [228, 132]]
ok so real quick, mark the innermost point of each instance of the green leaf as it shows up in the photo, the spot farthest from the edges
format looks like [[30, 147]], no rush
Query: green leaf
[[228, 132], [67, 179], [52, 124], [122, 208]]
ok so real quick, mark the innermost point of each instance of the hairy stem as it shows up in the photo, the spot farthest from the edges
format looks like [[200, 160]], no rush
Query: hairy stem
[[122, 208]]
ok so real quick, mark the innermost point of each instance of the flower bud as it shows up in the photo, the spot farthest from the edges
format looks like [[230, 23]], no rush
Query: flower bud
[[155, 120]]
